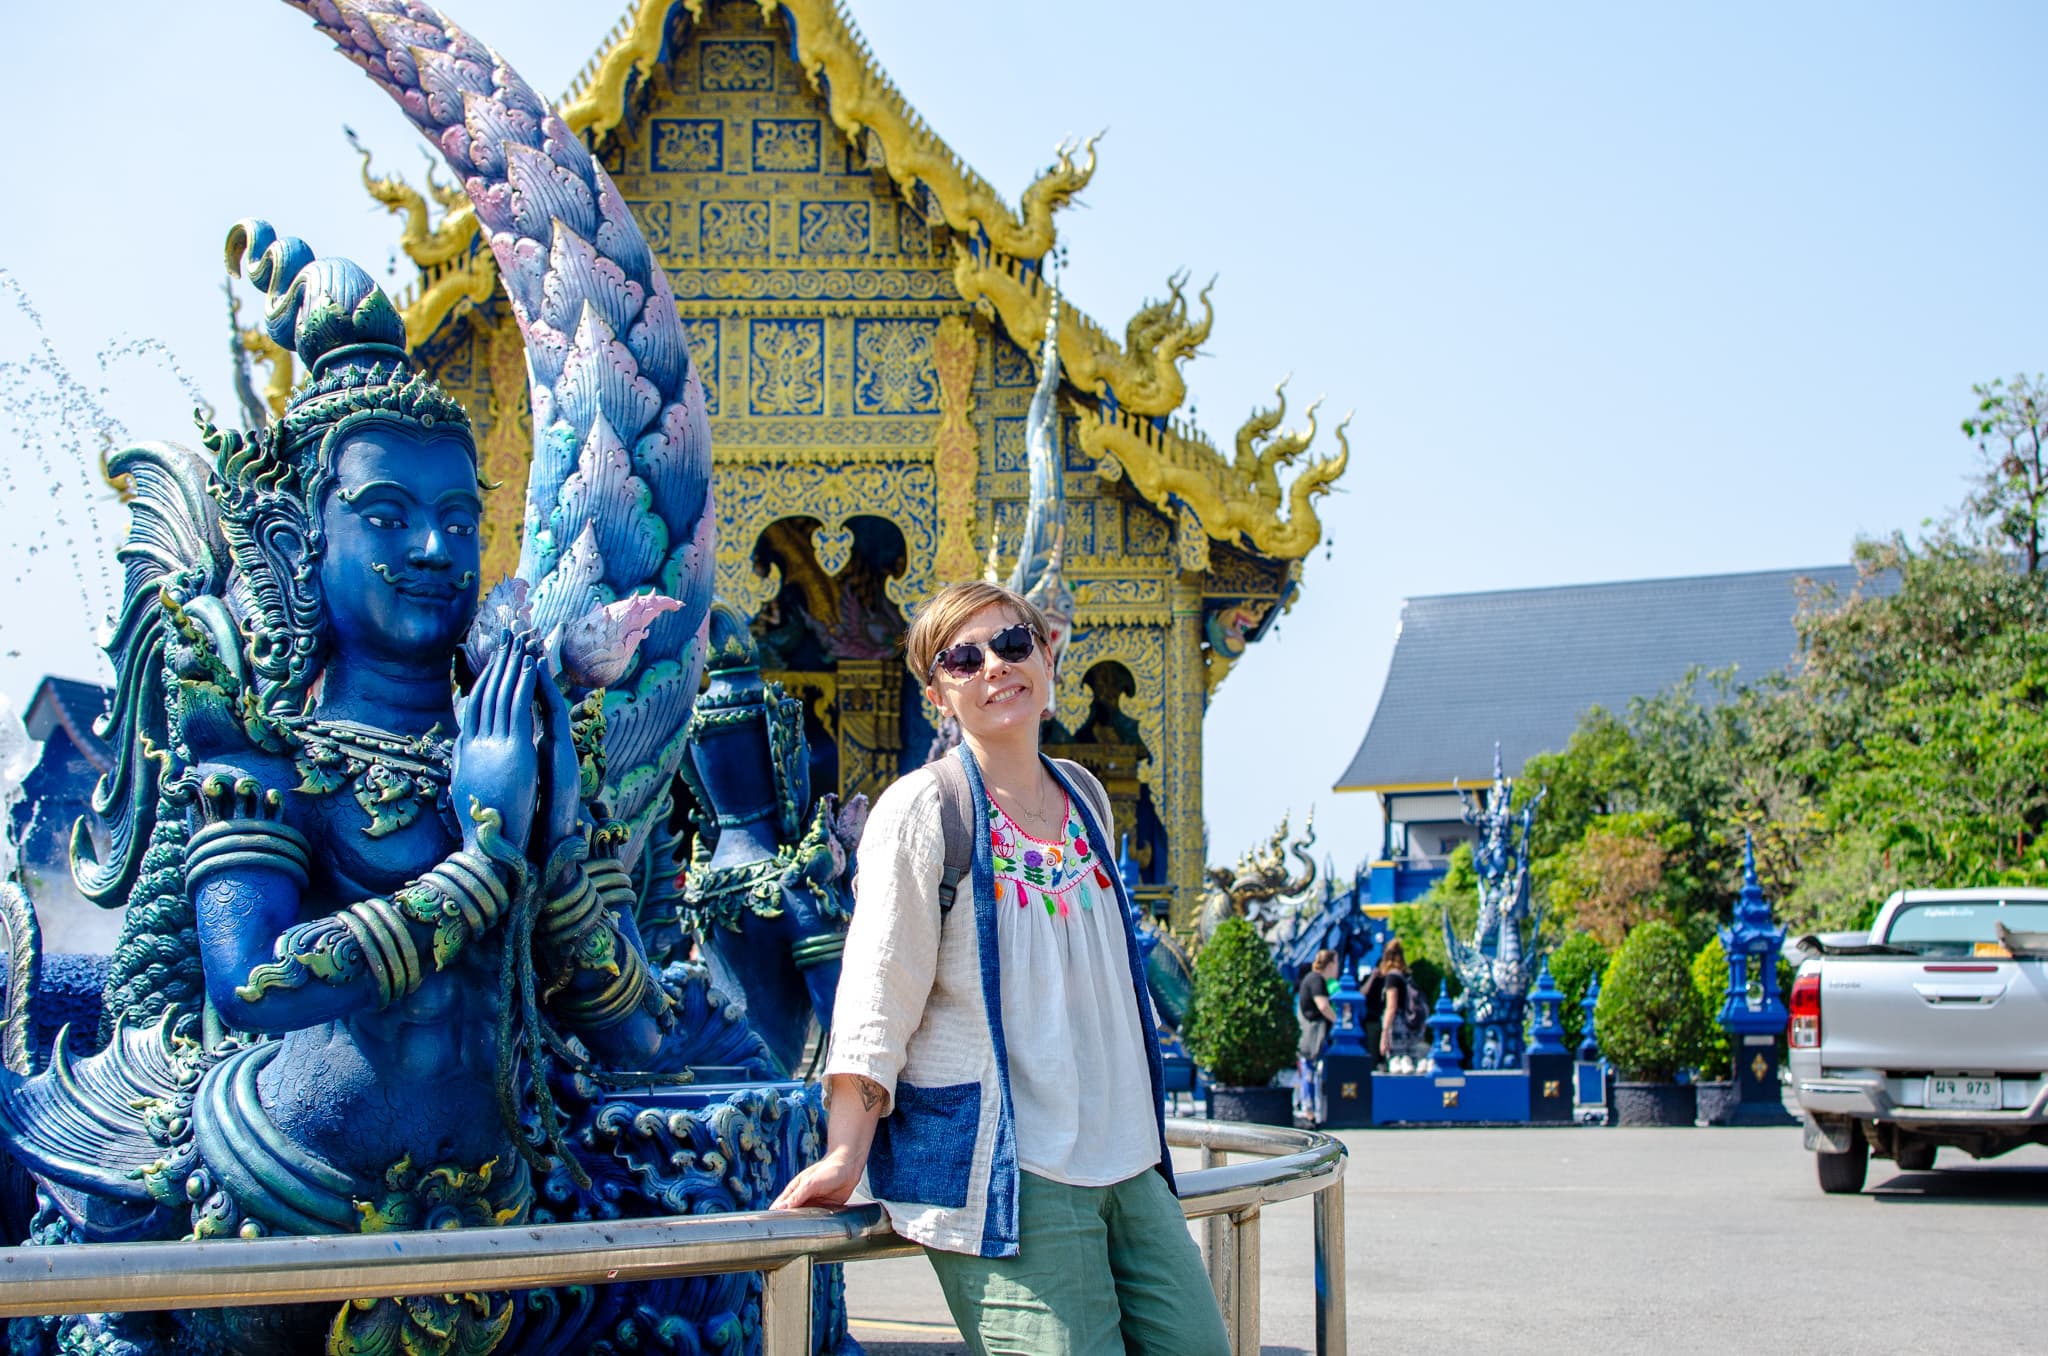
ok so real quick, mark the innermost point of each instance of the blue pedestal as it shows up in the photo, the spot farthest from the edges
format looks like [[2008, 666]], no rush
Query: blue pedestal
[[1550, 1088], [1589, 1083], [1346, 1082], [1758, 1098], [1450, 1099]]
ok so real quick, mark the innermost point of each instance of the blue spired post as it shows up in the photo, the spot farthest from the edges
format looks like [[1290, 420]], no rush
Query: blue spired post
[[1753, 1014], [1589, 1075], [1550, 1064], [1491, 966]]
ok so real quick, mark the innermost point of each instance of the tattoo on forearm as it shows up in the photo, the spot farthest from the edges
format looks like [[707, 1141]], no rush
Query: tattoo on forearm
[[871, 1094]]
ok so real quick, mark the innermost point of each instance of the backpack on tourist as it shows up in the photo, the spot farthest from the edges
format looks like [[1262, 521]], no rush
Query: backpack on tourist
[[1415, 1012], [956, 816]]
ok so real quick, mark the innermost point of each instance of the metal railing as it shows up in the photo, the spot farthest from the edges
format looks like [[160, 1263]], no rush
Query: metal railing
[[783, 1246]]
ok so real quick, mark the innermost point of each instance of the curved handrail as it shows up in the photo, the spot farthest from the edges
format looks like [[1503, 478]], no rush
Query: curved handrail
[[115, 1277]]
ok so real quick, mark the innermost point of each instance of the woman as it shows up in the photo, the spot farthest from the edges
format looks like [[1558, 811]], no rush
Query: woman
[[1386, 1004], [993, 1069]]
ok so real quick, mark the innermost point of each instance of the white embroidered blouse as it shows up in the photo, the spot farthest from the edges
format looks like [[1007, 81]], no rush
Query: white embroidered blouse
[[1079, 1083]]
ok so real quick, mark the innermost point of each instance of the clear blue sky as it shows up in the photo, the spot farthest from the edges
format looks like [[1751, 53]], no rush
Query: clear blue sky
[[1616, 290]]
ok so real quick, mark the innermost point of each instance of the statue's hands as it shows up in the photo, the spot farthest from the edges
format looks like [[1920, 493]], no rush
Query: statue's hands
[[497, 751], [563, 774]]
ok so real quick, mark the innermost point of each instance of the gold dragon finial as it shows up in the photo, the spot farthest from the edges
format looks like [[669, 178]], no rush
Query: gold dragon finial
[[424, 242], [1051, 191], [1157, 340], [1261, 451]]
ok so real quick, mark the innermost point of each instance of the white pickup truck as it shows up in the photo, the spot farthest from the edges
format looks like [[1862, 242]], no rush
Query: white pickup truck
[[1929, 1030]]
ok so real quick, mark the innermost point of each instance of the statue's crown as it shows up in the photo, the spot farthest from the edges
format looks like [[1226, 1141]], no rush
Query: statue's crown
[[346, 333]]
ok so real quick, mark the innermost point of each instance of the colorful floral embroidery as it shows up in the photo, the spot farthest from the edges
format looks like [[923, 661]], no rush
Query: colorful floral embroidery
[[1028, 868]]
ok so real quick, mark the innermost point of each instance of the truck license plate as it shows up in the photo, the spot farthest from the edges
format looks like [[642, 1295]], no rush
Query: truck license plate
[[1963, 1094]]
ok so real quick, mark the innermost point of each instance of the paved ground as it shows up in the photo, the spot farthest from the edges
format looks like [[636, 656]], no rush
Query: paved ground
[[1580, 1240]]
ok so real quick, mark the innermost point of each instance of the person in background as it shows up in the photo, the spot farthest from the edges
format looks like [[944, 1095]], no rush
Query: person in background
[[1313, 1011], [993, 1069], [1386, 1003]]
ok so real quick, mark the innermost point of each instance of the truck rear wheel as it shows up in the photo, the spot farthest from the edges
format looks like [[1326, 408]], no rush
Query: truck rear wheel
[[1842, 1174], [1915, 1155]]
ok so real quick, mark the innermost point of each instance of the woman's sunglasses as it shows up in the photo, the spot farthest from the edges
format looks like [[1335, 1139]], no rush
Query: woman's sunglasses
[[1012, 645]]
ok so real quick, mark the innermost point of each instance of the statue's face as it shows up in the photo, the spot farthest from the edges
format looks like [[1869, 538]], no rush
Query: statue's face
[[399, 575]]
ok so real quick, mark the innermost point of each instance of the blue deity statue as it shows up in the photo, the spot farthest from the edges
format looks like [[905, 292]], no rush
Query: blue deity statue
[[1494, 966], [385, 848], [768, 885]]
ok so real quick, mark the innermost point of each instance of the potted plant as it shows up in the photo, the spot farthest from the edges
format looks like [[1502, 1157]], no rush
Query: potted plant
[[1242, 1029], [1651, 1026], [1714, 1075]]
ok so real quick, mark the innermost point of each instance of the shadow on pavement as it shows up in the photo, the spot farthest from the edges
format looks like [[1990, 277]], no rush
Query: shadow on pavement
[[1989, 1185]]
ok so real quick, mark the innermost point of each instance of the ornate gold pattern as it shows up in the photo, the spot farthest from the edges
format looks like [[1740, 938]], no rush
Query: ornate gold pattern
[[893, 370], [857, 334], [1142, 372], [786, 367], [1231, 503], [277, 360], [505, 445], [734, 227], [953, 452], [750, 497], [870, 725]]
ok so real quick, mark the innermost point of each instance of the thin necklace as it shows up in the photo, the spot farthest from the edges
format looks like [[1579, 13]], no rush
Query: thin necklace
[[1039, 810]]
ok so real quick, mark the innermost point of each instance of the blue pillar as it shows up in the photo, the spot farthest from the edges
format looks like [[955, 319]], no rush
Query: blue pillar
[[1589, 1074], [1445, 1055], [1549, 1063], [1345, 1071], [1348, 1036], [1752, 1013], [1589, 1037], [1547, 999]]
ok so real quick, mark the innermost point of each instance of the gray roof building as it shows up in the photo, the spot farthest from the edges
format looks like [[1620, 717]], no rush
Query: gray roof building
[[1520, 666]]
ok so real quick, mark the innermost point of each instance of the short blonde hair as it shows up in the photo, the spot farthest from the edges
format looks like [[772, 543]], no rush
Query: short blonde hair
[[939, 620]]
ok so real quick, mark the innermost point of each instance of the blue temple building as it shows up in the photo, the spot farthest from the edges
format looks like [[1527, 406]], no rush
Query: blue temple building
[[1517, 668]]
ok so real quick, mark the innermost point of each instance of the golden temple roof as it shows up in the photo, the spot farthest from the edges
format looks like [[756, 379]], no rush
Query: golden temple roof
[[1137, 381]]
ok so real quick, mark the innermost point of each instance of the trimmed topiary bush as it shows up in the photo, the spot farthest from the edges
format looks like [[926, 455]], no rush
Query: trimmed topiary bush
[[1428, 978], [1710, 981], [1573, 964], [1649, 1012], [1242, 1029]]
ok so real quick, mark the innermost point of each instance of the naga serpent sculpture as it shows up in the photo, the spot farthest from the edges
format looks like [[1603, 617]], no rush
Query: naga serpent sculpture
[[383, 847]]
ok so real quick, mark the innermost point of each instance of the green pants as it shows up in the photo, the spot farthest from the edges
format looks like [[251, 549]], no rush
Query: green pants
[[1099, 1271]]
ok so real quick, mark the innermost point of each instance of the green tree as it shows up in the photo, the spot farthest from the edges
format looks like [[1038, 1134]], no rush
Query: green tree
[[1242, 1029], [1710, 981], [1921, 721], [2012, 486], [1613, 877], [1573, 964], [1907, 745], [1649, 1012], [1597, 773]]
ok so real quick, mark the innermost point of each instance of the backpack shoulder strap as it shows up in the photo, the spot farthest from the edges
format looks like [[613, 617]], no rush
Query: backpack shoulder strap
[[956, 826], [1098, 802]]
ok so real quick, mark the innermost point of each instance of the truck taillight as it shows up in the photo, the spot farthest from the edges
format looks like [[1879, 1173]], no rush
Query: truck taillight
[[1805, 1034]]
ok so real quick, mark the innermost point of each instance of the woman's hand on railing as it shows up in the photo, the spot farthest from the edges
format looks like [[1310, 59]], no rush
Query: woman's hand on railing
[[827, 1182], [854, 1106]]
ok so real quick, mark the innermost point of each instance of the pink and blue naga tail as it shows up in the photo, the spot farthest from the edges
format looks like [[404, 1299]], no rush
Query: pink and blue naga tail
[[618, 500]]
